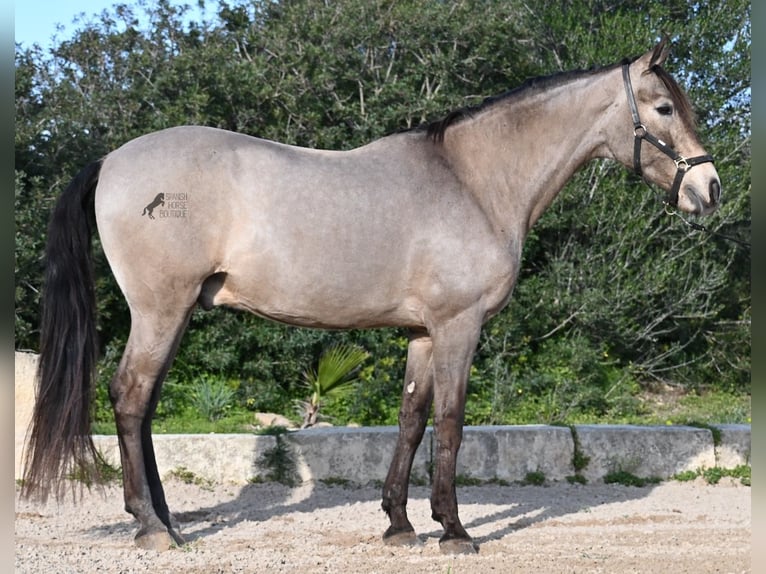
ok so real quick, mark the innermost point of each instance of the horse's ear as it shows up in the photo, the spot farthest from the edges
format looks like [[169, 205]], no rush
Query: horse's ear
[[660, 52], [657, 55]]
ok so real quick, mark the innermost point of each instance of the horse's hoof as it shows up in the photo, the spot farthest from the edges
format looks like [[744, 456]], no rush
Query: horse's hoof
[[400, 538], [458, 546], [158, 540]]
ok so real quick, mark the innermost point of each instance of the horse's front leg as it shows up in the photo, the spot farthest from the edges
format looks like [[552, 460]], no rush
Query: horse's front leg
[[413, 415], [454, 344]]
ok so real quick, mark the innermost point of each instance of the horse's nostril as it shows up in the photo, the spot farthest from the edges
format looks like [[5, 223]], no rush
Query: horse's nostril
[[715, 191]]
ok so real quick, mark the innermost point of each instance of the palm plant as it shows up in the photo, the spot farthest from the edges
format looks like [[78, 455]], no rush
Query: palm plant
[[333, 376]]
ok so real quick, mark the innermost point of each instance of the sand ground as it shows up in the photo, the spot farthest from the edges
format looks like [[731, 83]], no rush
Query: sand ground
[[672, 527]]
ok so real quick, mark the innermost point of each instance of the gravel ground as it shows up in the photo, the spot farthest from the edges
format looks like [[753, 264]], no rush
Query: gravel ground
[[672, 527]]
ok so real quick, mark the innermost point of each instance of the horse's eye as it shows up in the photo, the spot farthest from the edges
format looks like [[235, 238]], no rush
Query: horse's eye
[[665, 110]]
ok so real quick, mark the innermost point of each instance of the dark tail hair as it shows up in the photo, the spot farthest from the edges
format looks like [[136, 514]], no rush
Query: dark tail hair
[[59, 442]]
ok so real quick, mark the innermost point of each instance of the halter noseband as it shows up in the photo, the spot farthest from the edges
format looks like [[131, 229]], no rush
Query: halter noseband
[[641, 133]]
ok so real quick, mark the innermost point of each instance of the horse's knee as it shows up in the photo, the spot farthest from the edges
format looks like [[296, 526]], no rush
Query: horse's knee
[[448, 431], [412, 414]]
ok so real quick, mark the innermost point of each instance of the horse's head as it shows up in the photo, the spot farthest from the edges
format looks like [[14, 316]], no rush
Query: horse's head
[[665, 148]]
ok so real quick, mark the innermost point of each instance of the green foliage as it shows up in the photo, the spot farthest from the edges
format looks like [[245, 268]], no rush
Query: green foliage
[[211, 396], [188, 477], [714, 431], [190, 421], [534, 478], [706, 408], [274, 430], [744, 473], [333, 377], [576, 479], [561, 380], [626, 478], [336, 481], [580, 460], [467, 480], [102, 472], [714, 475], [614, 297], [686, 476]]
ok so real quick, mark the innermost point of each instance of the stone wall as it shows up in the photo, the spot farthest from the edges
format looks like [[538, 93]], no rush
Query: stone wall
[[361, 455]]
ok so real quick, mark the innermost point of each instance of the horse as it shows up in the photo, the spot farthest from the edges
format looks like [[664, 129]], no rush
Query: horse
[[422, 229]]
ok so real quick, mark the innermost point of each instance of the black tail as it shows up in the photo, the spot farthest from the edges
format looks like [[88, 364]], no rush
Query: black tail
[[59, 443]]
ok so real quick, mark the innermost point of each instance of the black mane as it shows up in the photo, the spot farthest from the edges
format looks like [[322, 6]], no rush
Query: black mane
[[435, 130]]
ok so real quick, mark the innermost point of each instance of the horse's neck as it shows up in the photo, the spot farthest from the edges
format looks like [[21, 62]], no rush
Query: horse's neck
[[517, 155]]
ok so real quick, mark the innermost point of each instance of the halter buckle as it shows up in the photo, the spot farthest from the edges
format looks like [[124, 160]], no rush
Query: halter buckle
[[681, 163]]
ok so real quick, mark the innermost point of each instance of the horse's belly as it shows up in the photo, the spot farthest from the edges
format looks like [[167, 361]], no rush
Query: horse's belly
[[325, 304]]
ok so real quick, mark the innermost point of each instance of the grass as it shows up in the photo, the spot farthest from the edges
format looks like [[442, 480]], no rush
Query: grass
[[467, 480], [336, 481], [103, 472], [535, 478], [666, 408], [212, 397], [235, 421], [628, 479], [706, 408], [531, 478], [188, 477], [576, 479]]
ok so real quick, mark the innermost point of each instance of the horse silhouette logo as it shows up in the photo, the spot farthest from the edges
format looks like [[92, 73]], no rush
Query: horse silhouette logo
[[158, 200]]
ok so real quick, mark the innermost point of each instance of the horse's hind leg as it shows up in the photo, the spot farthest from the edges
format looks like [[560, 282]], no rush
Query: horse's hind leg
[[134, 391], [413, 415], [150, 463]]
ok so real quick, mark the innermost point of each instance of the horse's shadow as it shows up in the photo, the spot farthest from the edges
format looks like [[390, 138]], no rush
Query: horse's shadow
[[521, 507]]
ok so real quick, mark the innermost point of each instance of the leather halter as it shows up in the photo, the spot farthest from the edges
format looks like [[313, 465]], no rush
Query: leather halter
[[641, 133]]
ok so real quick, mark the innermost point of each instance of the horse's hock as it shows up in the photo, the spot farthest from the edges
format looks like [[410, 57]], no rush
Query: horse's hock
[[361, 455]]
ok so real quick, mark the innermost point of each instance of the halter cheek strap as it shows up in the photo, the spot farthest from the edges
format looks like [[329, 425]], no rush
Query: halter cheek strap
[[640, 133]]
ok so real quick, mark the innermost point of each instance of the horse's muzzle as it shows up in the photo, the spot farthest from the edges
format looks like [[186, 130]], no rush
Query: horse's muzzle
[[697, 203]]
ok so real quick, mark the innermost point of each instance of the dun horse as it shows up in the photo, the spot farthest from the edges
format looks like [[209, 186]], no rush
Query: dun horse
[[422, 229]]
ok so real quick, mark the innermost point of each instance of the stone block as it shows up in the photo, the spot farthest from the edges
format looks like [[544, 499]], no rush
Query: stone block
[[645, 451], [734, 449], [358, 455], [511, 452], [221, 458]]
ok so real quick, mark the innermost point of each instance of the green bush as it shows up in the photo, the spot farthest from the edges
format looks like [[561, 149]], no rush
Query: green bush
[[211, 397]]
